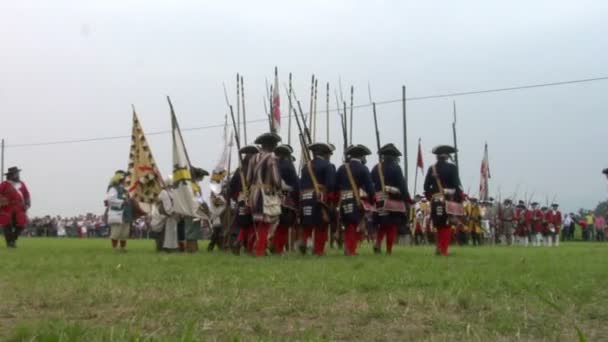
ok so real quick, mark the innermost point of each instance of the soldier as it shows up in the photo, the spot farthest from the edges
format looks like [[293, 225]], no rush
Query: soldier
[[442, 182], [192, 225], [243, 221], [265, 190], [523, 224], [555, 220], [537, 227], [507, 215], [317, 186], [392, 196], [217, 207], [356, 193], [474, 220], [291, 194], [14, 204]]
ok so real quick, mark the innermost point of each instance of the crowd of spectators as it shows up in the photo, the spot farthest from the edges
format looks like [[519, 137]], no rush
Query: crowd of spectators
[[82, 226]]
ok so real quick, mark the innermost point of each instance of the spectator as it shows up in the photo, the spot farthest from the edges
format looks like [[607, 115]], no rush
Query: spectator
[[600, 226], [590, 219]]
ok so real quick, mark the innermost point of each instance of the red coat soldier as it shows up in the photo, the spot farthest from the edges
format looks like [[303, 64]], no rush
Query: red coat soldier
[[14, 203]]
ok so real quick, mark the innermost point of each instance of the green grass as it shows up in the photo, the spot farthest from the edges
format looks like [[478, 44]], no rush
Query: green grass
[[79, 290]]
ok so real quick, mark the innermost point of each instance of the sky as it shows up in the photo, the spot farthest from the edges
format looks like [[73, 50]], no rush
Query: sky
[[70, 70]]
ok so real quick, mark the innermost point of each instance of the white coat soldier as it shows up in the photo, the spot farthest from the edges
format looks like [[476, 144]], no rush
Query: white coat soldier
[[167, 240], [265, 190], [121, 211], [192, 225], [442, 183]]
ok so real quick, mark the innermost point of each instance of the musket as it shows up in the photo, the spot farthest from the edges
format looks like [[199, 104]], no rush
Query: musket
[[352, 90], [238, 104], [344, 131], [376, 126], [327, 113], [244, 116]]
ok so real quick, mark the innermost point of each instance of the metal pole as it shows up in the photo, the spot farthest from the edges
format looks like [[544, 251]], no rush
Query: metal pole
[[405, 166]]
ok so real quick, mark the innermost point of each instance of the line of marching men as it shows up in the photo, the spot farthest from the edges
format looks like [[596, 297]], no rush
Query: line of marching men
[[489, 222], [270, 198]]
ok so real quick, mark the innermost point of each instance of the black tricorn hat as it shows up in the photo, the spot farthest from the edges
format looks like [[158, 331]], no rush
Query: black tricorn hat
[[358, 151], [534, 203], [268, 138], [389, 150], [284, 149], [443, 149], [605, 171], [521, 205], [12, 170], [521, 202], [197, 172], [507, 200], [249, 149], [555, 205], [320, 148]]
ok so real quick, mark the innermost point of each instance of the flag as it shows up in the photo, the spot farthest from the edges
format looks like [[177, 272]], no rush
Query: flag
[[485, 175], [220, 171], [144, 181], [184, 201], [276, 104], [419, 161]]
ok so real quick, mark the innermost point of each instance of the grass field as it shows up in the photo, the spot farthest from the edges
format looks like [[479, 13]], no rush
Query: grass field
[[72, 290]]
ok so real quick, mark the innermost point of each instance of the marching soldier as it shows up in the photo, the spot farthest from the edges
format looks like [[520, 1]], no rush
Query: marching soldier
[[537, 227], [507, 215], [523, 224], [555, 223], [14, 204], [392, 196], [192, 225], [441, 183], [238, 190], [356, 193], [474, 219], [317, 185], [291, 194], [265, 190]]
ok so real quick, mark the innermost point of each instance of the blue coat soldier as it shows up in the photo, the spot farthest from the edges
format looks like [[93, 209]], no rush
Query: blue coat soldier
[[291, 195], [356, 193], [243, 221], [317, 197], [392, 196], [442, 176]]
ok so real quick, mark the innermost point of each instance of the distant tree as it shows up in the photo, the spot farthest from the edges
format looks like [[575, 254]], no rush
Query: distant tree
[[601, 209]]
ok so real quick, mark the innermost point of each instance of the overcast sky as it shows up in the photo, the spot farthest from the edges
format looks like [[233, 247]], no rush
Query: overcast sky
[[71, 70]]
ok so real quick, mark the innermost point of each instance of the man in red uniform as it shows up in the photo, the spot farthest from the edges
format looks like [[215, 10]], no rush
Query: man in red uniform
[[537, 218], [14, 203], [554, 219]]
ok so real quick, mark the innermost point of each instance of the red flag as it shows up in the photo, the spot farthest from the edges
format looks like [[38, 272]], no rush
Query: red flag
[[419, 161], [276, 104]]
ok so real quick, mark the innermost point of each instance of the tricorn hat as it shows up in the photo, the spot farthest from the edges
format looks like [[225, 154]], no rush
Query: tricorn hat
[[555, 205], [268, 138], [605, 171], [284, 149], [521, 205], [358, 151], [534, 204], [389, 150], [12, 170], [320, 148], [197, 172], [507, 200], [249, 149], [443, 149]]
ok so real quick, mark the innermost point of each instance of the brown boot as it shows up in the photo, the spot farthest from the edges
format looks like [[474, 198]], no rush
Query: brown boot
[[181, 246]]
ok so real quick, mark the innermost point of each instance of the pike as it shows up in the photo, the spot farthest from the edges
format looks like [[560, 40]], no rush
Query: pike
[[314, 125], [244, 116], [289, 111], [312, 95], [455, 139], [238, 105], [352, 91], [327, 113]]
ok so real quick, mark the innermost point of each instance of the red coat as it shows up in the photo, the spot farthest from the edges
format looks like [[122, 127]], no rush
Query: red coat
[[538, 221], [555, 219], [13, 203]]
